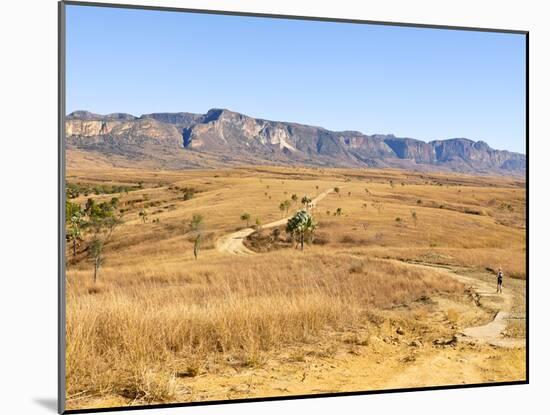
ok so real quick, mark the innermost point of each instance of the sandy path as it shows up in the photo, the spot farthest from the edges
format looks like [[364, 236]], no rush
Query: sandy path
[[490, 333], [234, 242], [382, 365]]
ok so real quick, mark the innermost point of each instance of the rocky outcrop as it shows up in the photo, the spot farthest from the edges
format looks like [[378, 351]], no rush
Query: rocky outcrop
[[234, 136], [113, 131]]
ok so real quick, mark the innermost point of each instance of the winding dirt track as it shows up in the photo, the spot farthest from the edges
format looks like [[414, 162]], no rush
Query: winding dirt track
[[490, 333], [234, 242]]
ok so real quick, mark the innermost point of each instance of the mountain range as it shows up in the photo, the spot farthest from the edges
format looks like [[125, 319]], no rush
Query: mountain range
[[223, 137]]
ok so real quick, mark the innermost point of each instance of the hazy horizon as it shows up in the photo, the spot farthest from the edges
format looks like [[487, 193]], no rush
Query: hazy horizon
[[427, 84]]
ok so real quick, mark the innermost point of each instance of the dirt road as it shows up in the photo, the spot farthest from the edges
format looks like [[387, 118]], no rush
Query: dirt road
[[476, 354], [387, 362], [234, 242], [490, 333]]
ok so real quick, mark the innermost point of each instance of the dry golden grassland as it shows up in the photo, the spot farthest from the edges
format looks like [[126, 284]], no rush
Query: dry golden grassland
[[160, 326]]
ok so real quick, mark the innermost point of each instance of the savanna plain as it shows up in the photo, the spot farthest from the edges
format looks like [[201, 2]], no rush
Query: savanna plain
[[197, 290]]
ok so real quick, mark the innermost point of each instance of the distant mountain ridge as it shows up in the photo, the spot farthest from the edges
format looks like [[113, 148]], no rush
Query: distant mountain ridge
[[234, 138]]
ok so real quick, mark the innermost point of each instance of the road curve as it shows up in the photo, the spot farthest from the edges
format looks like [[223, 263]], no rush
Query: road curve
[[492, 332], [233, 243]]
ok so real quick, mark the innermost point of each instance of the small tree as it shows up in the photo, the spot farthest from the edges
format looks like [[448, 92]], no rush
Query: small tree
[[294, 198], [246, 217], [196, 221], [414, 217], [349, 194], [287, 205], [74, 219], [258, 223], [196, 224], [102, 223], [301, 226], [337, 191], [144, 215], [196, 246], [338, 212], [96, 254], [306, 201], [282, 208]]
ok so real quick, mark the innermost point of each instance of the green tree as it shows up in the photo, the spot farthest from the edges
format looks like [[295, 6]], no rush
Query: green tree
[[196, 224], [246, 217], [301, 226], [294, 198], [102, 222], [287, 205], [196, 221], [96, 253], [74, 219], [306, 201]]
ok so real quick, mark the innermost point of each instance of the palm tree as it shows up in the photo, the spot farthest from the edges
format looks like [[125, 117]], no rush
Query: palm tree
[[301, 225], [246, 217]]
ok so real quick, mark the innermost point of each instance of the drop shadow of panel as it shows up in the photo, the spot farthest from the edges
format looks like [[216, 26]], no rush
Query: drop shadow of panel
[[48, 403]]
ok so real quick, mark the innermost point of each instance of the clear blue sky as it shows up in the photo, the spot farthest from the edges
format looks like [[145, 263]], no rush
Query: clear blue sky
[[422, 83]]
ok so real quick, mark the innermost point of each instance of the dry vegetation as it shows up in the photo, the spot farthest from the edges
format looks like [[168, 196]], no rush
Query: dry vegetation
[[157, 318]]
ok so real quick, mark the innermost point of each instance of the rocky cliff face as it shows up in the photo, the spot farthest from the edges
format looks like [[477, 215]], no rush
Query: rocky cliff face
[[233, 136]]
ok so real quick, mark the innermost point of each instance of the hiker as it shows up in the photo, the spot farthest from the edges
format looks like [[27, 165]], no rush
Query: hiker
[[500, 275]]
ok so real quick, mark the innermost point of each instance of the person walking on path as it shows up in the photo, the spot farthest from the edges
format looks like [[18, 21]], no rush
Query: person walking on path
[[500, 276]]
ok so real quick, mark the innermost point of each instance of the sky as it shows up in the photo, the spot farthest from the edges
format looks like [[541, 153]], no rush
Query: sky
[[422, 83]]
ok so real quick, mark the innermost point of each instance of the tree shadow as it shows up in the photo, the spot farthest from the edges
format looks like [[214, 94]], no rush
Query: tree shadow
[[48, 403]]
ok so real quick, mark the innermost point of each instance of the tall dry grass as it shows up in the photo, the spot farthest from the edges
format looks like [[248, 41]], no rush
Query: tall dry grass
[[156, 314], [133, 340]]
